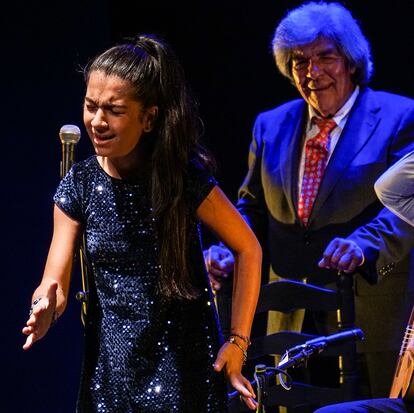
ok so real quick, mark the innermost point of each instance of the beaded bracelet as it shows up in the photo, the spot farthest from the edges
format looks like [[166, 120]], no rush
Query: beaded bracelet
[[246, 339], [55, 314], [232, 340]]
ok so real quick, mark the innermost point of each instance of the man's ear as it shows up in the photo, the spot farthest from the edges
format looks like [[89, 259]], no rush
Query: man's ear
[[150, 117]]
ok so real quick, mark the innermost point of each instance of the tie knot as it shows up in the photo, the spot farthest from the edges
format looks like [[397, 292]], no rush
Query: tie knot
[[324, 124]]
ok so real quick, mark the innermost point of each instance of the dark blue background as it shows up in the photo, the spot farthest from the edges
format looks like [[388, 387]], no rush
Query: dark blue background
[[225, 50]]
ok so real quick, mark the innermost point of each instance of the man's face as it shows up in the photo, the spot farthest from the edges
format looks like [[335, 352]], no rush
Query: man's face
[[322, 76]]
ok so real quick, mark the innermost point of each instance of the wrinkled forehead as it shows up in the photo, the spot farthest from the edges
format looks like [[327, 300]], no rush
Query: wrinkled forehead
[[320, 46], [108, 88]]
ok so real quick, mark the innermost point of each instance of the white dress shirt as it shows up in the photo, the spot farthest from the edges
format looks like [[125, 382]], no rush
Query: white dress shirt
[[312, 130]]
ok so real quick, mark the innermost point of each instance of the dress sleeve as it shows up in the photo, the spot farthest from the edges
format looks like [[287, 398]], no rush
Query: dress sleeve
[[67, 196], [200, 183], [395, 188]]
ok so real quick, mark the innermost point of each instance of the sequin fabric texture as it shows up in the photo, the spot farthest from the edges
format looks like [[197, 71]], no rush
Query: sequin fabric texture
[[142, 353]]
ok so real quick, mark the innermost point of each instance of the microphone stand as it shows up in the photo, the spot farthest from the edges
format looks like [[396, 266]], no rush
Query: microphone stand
[[296, 356], [69, 137], [263, 373]]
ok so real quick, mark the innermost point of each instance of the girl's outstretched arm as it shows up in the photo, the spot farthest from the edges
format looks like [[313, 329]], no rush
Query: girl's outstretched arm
[[50, 297]]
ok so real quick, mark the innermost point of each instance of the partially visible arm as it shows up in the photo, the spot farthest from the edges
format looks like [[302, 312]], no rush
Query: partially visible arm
[[395, 188], [251, 203], [54, 287], [219, 214], [385, 239]]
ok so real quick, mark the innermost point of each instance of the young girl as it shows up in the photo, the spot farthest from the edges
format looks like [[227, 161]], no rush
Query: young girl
[[151, 333]]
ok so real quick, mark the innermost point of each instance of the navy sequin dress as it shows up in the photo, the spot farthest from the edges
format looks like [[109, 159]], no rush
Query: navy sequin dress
[[142, 353]]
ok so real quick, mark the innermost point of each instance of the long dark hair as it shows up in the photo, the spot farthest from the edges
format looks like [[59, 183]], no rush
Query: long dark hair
[[157, 78]]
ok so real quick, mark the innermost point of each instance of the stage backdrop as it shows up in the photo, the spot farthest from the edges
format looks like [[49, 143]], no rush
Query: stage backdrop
[[225, 49]]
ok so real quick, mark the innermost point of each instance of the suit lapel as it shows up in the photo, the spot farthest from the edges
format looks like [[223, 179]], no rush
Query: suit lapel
[[360, 126], [291, 133]]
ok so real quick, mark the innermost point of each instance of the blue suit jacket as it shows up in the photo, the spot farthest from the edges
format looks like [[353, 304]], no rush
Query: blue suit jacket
[[379, 131]]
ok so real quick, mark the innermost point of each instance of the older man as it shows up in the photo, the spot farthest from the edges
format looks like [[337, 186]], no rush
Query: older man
[[309, 190]]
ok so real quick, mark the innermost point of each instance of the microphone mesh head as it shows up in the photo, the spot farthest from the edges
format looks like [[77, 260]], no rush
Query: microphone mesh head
[[69, 134]]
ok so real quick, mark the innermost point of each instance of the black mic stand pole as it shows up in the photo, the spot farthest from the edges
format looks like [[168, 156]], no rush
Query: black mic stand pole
[[261, 385]]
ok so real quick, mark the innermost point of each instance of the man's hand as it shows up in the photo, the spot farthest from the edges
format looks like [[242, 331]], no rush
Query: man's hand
[[342, 255], [219, 262]]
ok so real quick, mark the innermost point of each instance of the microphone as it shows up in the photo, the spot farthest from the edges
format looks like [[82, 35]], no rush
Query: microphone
[[69, 136], [323, 341]]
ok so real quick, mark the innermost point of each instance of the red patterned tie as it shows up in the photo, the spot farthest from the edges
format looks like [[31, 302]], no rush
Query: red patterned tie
[[316, 155]]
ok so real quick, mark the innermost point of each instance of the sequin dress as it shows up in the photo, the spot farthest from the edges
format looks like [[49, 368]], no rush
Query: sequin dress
[[142, 353]]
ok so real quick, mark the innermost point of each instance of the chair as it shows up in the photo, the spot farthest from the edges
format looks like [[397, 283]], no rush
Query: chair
[[286, 296]]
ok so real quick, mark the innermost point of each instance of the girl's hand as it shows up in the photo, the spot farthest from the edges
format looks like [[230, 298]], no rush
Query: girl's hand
[[42, 314], [230, 358]]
